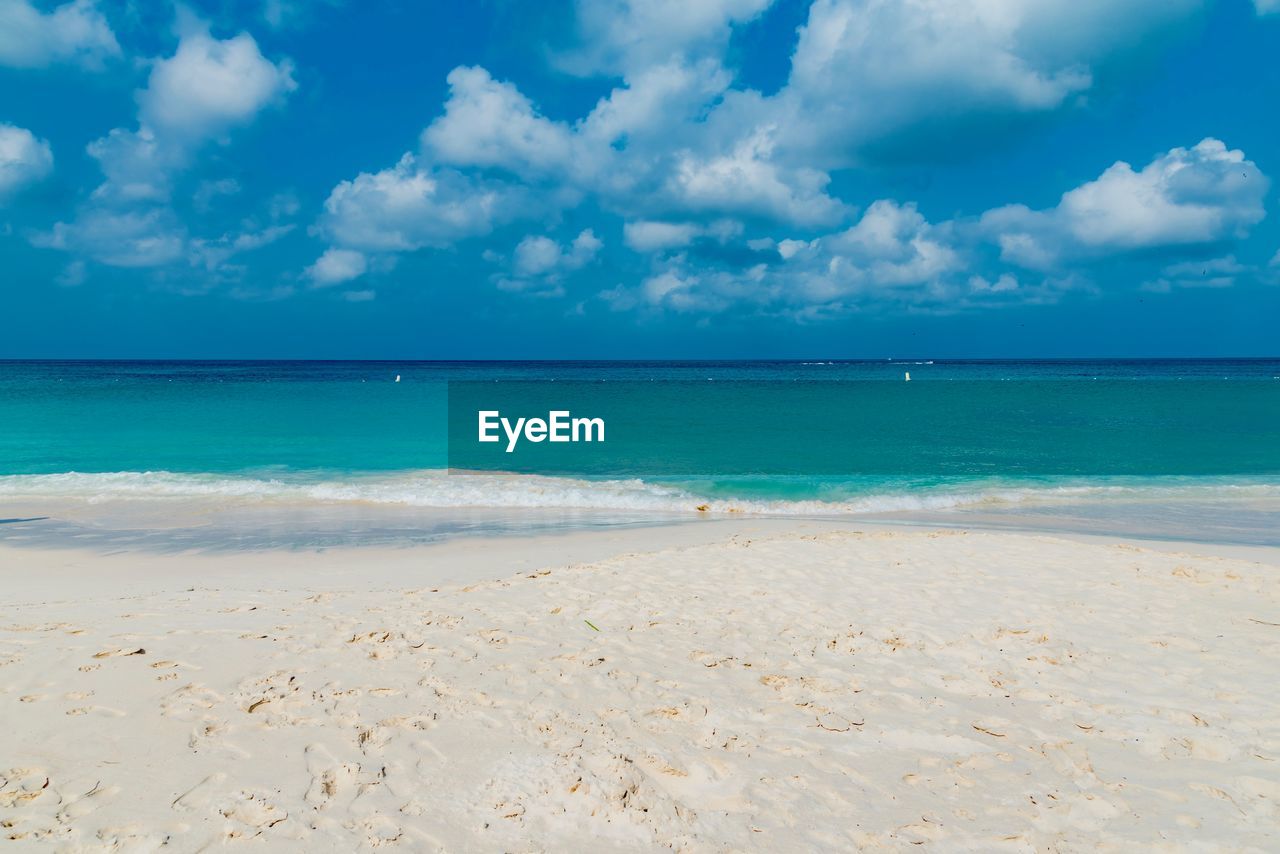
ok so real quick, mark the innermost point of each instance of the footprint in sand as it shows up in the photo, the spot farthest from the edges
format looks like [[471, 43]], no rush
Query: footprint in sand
[[253, 810], [81, 805], [201, 794], [190, 702], [118, 652], [100, 711], [23, 785], [209, 736], [330, 779]]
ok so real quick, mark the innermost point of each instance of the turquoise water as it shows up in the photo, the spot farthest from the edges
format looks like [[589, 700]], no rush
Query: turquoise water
[[962, 434]]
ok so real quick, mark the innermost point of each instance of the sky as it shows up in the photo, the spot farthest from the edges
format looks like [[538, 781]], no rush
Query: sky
[[623, 179]]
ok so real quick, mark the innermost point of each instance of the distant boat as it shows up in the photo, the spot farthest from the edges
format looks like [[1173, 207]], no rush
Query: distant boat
[[906, 376], [397, 378]]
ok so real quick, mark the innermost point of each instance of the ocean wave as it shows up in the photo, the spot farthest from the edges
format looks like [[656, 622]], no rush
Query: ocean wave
[[439, 489]]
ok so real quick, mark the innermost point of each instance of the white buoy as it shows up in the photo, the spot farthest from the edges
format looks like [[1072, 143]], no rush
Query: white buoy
[[906, 376], [397, 378]]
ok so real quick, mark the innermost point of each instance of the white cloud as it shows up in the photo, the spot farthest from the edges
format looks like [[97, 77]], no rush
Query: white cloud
[[1201, 195], [746, 180], [657, 236], [536, 255], [72, 32], [642, 149], [650, 236], [1185, 196], [409, 207], [488, 123], [623, 35], [120, 239], [866, 70], [336, 266], [585, 246], [210, 86], [1266, 7], [895, 245], [204, 90], [891, 254], [1188, 200], [661, 105], [539, 263], [670, 287], [137, 166], [681, 289], [678, 146], [24, 159], [1005, 283]]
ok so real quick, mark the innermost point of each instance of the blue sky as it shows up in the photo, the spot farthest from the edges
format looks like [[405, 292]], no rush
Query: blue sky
[[729, 178]]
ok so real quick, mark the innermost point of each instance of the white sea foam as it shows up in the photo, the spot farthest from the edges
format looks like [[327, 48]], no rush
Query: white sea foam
[[439, 489]]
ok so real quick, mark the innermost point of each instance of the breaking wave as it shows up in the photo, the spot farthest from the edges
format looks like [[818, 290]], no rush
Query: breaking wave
[[439, 489]]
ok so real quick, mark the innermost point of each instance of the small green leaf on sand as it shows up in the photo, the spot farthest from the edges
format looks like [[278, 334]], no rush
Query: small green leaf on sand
[[591, 624]]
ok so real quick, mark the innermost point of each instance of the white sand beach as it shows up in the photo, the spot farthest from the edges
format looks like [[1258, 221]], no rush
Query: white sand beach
[[746, 685]]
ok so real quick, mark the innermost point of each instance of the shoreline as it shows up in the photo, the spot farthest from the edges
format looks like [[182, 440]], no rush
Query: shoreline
[[474, 558]]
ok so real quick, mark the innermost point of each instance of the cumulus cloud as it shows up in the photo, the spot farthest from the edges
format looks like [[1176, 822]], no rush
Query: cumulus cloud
[[1171, 218], [894, 245], [648, 236], [747, 181], [73, 32], [1266, 7], [200, 93], [682, 288], [24, 159], [207, 88], [137, 166], [539, 255], [1195, 195], [657, 107], [492, 157], [677, 142], [1201, 195], [891, 254], [409, 207], [865, 71], [120, 238], [651, 236], [618, 36], [336, 266], [489, 123], [679, 148], [539, 263], [210, 86]]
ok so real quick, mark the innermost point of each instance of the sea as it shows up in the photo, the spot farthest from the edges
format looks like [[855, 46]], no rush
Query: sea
[[314, 454]]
